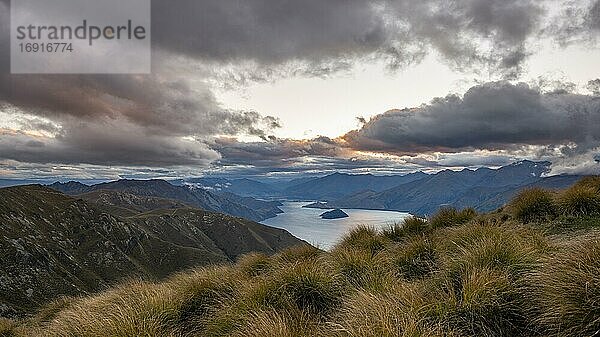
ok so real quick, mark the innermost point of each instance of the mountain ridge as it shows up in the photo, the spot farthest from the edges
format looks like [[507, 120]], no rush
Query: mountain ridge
[[484, 189], [195, 197], [53, 245]]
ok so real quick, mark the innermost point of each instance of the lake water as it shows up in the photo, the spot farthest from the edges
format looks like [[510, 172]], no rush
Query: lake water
[[306, 224]]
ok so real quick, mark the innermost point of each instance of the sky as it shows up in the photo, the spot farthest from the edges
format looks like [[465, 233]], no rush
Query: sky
[[288, 88]]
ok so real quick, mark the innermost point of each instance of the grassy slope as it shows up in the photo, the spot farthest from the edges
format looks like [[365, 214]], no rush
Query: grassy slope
[[531, 269], [52, 244]]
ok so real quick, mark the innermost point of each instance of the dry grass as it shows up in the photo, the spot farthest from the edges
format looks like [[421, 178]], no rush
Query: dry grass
[[533, 204], [413, 259], [580, 200], [569, 290], [7, 327], [365, 238], [399, 312], [448, 217], [409, 227], [308, 286]]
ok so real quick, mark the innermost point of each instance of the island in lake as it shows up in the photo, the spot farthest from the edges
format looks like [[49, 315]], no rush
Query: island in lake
[[334, 214]]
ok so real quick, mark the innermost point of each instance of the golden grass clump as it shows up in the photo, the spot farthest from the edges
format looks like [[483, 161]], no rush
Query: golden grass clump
[[533, 205], [360, 267], [272, 323], [409, 227], [7, 327], [448, 216], [580, 200], [511, 248], [48, 311], [364, 238], [568, 291], [399, 312], [199, 294], [592, 182], [476, 302], [413, 259], [171, 308], [298, 254], [309, 286], [254, 264], [478, 289], [132, 309]]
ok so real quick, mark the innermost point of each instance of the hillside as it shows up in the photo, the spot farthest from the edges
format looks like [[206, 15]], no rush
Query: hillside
[[53, 245], [127, 204], [249, 208], [483, 189], [529, 269]]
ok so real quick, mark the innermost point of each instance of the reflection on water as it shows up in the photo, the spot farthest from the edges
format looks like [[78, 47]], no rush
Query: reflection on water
[[306, 224]]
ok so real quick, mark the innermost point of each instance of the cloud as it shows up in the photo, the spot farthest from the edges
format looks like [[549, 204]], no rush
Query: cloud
[[172, 118], [492, 116], [274, 152], [103, 143], [324, 35], [577, 21]]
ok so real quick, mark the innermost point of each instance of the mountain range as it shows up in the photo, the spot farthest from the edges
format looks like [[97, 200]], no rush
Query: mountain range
[[484, 189], [54, 245], [228, 203]]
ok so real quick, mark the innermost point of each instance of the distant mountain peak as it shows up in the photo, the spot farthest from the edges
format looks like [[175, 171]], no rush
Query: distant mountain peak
[[69, 183], [530, 163]]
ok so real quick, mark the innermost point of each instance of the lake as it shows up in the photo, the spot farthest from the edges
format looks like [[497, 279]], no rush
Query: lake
[[306, 224]]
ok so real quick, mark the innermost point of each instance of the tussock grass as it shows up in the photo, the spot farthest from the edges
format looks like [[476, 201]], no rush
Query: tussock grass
[[356, 265], [298, 254], [455, 274], [254, 264], [592, 182], [399, 312], [197, 295], [447, 217], [133, 309], [278, 324], [476, 302], [569, 291], [409, 227], [50, 310], [580, 200], [308, 286], [513, 249], [365, 238], [413, 259], [7, 327], [533, 205]]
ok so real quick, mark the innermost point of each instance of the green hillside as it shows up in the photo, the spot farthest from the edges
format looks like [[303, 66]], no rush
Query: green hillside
[[529, 269]]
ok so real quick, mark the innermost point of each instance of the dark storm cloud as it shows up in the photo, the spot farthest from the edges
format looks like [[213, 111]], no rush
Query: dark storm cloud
[[103, 143], [163, 106], [147, 114], [457, 29], [327, 32], [493, 116]]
